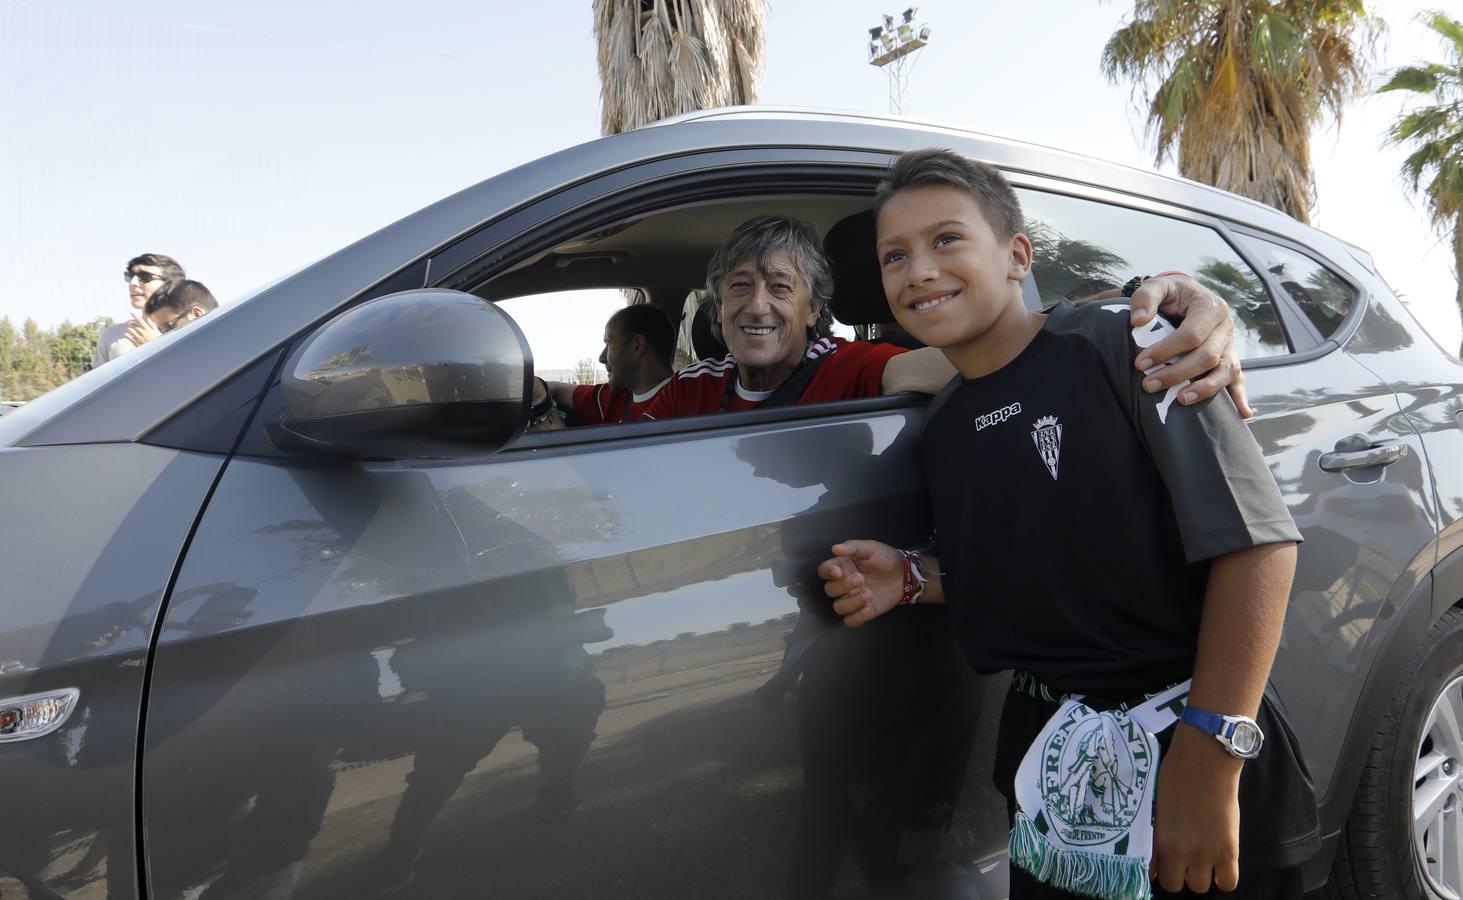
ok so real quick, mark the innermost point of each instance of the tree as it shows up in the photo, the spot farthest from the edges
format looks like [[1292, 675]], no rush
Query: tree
[[584, 371], [1232, 87], [1435, 132], [1070, 268], [660, 58], [33, 360]]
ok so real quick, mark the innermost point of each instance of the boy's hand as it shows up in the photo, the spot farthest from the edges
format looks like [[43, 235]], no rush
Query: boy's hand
[[1196, 815], [864, 578], [1206, 334], [140, 330]]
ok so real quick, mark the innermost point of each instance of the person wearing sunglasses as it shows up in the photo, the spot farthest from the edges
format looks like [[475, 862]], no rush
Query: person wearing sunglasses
[[144, 275], [177, 303]]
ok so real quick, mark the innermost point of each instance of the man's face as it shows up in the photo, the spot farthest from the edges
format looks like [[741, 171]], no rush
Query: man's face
[[618, 356], [170, 319], [946, 275], [765, 316], [143, 282]]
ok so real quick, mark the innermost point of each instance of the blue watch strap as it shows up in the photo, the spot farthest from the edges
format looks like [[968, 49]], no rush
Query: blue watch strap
[[1202, 719]]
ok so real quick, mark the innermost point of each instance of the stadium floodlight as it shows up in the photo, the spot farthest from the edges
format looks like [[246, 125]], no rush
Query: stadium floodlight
[[891, 47]]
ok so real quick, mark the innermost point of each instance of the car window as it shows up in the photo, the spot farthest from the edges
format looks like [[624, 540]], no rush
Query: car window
[[1321, 294], [565, 331], [1082, 247]]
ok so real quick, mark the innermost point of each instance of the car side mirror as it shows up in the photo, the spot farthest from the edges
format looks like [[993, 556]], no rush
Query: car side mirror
[[424, 374]]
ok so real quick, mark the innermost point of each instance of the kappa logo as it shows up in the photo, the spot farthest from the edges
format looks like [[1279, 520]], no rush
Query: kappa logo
[[997, 417], [1047, 436]]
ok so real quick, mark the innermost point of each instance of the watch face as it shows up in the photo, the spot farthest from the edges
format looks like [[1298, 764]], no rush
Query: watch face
[[1246, 739]]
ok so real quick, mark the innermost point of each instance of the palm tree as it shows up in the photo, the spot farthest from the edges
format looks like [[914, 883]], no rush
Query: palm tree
[[1436, 133], [660, 58], [1233, 87]]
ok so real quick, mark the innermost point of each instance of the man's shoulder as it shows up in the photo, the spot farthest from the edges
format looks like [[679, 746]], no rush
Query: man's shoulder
[[707, 369]]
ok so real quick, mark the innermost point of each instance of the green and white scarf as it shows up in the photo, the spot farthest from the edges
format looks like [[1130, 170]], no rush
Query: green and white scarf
[[1084, 797]]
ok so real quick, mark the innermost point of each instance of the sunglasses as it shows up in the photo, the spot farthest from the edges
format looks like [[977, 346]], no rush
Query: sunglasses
[[174, 322], [143, 277]]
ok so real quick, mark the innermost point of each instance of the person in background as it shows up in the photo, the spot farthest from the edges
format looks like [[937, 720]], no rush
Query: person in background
[[144, 275], [176, 304], [639, 344]]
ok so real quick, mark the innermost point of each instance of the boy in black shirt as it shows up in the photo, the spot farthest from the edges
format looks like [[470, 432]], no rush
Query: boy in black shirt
[[1053, 479]]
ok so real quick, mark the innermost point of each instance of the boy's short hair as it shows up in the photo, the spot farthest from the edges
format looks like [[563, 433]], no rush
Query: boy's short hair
[[651, 323], [945, 168], [169, 266], [180, 295]]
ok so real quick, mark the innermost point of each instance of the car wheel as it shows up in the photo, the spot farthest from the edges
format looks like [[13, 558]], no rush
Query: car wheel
[[1404, 836]]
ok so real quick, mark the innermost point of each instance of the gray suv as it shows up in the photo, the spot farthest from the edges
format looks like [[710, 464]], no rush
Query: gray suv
[[294, 607]]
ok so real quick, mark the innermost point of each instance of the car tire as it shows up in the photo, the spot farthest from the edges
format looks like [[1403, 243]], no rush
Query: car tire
[[1415, 755]]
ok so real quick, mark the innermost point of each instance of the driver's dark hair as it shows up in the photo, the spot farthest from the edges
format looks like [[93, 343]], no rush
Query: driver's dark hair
[[946, 168], [179, 296], [169, 266], [651, 323], [757, 240]]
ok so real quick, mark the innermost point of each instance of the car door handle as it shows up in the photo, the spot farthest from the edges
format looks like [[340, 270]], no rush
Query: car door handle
[[1382, 454]]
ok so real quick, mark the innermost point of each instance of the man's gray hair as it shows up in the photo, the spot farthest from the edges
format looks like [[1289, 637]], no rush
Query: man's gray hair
[[757, 240]]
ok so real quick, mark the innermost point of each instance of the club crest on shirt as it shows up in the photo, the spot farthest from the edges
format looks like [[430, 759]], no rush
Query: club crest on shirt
[[1047, 436]]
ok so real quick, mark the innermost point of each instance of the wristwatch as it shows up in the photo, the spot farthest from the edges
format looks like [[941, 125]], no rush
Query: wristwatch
[[1239, 735]]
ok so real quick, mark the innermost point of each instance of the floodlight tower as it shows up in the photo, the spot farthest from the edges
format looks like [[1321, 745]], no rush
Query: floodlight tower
[[892, 47]]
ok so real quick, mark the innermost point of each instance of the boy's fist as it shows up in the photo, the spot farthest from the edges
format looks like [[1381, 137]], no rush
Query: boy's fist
[[865, 579]]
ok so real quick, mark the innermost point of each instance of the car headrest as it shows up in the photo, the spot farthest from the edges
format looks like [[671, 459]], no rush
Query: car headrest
[[858, 287]]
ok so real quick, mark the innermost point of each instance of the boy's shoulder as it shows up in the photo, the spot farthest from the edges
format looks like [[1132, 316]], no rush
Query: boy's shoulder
[[1105, 321]]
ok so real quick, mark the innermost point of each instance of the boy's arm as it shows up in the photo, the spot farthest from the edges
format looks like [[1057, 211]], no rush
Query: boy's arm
[[865, 579], [1196, 820]]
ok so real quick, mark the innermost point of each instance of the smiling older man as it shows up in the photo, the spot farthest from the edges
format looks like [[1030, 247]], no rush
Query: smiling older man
[[770, 283]]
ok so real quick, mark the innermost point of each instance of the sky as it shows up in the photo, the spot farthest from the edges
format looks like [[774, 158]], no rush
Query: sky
[[247, 140]]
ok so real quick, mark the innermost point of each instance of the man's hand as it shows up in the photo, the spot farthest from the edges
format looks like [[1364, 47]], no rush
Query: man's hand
[[140, 330], [1196, 815], [865, 580], [1206, 335]]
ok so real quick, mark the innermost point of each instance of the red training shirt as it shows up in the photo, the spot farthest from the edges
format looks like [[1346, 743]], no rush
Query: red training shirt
[[600, 404], [853, 369]]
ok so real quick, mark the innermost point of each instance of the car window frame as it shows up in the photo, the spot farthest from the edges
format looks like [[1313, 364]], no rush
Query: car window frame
[[1298, 338], [1348, 325]]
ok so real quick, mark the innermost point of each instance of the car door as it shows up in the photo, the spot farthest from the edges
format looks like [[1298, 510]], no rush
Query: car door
[[588, 665]]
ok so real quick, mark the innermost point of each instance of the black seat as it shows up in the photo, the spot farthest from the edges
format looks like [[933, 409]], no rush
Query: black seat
[[858, 288]]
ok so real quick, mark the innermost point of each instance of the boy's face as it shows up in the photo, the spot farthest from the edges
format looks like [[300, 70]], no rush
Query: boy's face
[[946, 275]]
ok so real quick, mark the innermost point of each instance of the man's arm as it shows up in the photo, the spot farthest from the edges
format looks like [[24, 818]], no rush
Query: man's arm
[[562, 392], [865, 579], [1206, 335], [1196, 821]]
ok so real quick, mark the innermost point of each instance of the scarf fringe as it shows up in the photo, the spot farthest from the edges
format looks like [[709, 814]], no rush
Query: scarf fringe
[[1099, 875]]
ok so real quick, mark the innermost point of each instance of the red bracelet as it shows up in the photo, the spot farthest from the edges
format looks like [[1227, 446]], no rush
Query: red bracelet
[[914, 579]]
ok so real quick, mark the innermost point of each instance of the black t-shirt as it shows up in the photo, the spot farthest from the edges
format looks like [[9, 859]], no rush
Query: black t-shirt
[[1075, 514]]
